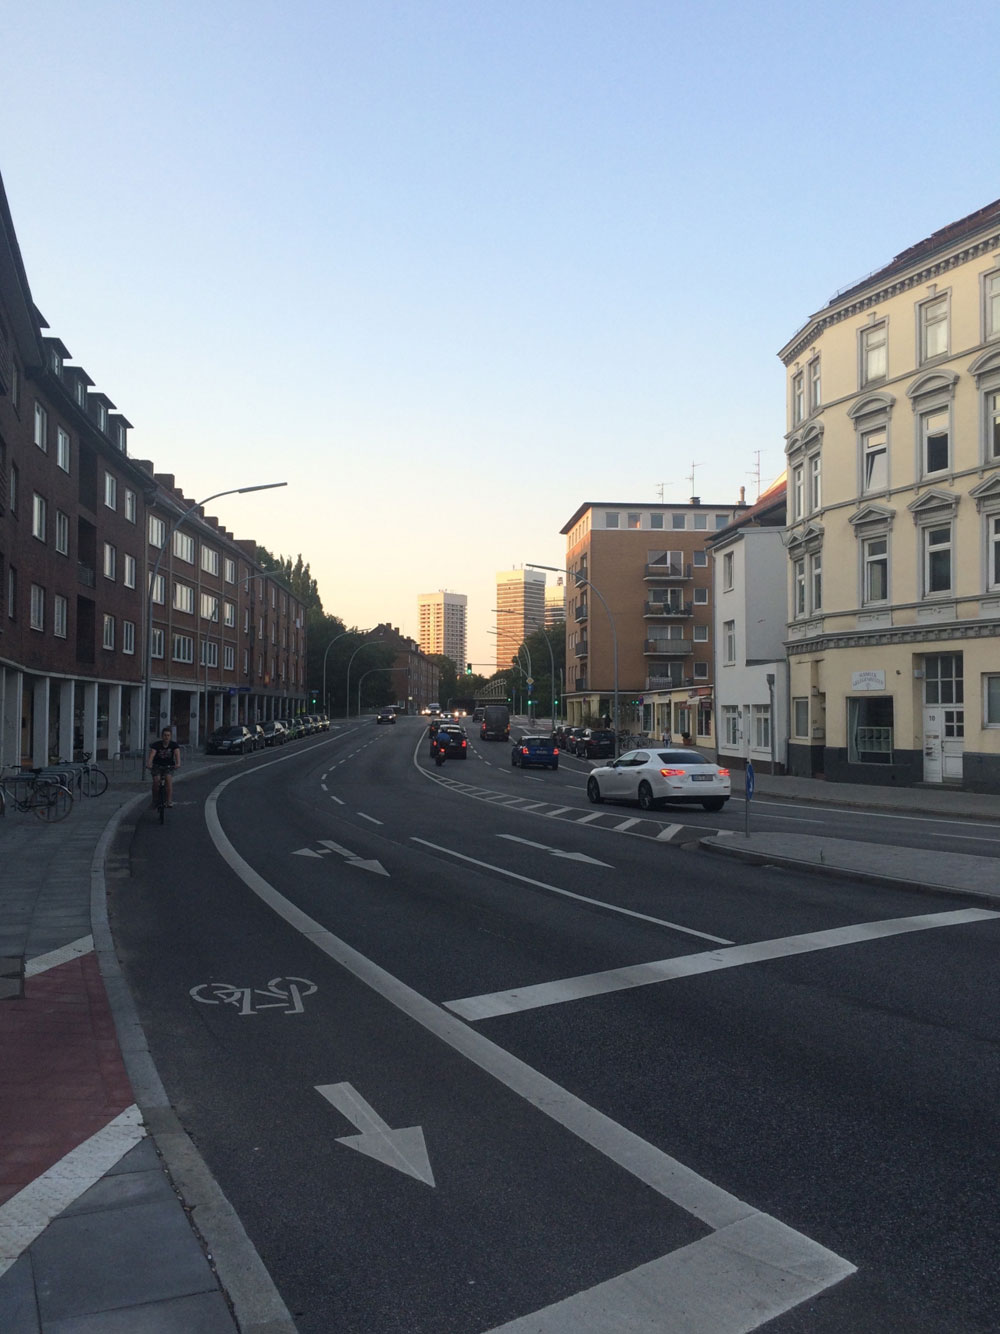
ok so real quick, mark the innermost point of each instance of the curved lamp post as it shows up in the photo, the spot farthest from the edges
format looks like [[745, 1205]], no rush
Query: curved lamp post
[[369, 672], [232, 491], [582, 580], [510, 611], [366, 643], [328, 648]]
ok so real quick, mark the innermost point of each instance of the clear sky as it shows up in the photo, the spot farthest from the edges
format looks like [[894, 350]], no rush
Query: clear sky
[[451, 269]]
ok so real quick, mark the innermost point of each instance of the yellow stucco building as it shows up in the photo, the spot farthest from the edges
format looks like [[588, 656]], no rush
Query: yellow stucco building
[[893, 535]]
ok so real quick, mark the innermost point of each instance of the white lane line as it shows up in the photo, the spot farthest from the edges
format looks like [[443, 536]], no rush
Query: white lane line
[[568, 893], [41, 963], [928, 818], [323, 786], [667, 832], [369, 817], [336, 799], [28, 1213], [691, 965], [776, 1255]]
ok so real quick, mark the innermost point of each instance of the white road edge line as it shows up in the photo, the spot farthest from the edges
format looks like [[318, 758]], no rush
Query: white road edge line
[[710, 961], [781, 1267]]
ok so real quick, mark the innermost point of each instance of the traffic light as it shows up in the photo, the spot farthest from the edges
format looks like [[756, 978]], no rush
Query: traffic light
[[315, 701], [468, 669]]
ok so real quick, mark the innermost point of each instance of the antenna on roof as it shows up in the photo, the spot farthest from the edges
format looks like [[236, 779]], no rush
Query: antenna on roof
[[755, 472], [691, 480], [659, 489]]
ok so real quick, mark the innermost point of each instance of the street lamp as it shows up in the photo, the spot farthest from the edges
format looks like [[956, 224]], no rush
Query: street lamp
[[328, 648], [233, 491], [347, 693], [369, 672], [582, 579]]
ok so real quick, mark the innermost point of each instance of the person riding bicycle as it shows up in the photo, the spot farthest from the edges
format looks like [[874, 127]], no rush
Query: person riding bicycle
[[164, 758]]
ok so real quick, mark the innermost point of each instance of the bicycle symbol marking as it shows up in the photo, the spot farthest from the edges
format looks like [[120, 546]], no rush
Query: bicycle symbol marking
[[281, 993]]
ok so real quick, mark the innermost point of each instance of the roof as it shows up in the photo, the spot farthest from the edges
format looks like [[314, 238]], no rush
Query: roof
[[644, 504], [768, 511]]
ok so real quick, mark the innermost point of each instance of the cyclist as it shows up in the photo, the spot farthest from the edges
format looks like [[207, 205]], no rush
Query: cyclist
[[164, 757]]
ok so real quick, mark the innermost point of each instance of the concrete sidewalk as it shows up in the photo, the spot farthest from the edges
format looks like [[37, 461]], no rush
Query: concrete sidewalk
[[109, 1221]]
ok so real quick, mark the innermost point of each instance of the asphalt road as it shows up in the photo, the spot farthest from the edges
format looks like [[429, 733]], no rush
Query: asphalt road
[[706, 1096]]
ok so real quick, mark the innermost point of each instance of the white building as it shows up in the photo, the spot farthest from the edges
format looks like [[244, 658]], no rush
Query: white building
[[520, 611], [555, 603], [442, 618], [749, 562]]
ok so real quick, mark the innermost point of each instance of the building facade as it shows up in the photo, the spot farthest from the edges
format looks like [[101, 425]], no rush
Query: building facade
[[442, 620], [415, 679], [749, 562], [520, 611], [649, 587], [555, 602], [893, 534]]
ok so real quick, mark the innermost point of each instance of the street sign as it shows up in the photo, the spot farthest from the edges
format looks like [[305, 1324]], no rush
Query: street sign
[[750, 781], [530, 680]]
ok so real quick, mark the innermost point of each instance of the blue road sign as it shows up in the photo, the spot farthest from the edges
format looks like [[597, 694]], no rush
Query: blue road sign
[[750, 781]]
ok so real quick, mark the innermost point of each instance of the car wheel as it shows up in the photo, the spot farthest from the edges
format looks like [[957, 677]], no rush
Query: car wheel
[[513, 761], [646, 802], [594, 791], [714, 803], [555, 766]]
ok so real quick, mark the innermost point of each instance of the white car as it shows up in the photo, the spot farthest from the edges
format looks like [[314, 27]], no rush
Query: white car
[[661, 777]]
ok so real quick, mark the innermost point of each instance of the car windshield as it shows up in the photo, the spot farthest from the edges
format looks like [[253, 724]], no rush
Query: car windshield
[[682, 757], [602, 736]]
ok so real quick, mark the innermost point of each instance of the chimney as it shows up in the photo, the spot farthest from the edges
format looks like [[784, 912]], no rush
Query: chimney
[[743, 495], [696, 500]]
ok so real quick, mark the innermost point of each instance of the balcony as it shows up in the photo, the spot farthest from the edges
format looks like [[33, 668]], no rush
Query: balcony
[[669, 570], [85, 574], [662, 683], [668, 648], [581, 612], [581, 648], [580, 683], [667, 610]]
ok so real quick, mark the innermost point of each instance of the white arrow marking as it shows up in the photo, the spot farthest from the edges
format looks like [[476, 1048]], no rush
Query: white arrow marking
[[305, 852], [353, 859], [555, 852], [403, 1149]]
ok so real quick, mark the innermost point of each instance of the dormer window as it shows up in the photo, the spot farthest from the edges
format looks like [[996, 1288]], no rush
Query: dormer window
[[102, 417]]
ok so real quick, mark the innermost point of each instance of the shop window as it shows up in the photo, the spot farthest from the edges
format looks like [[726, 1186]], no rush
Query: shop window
[[869, 730]]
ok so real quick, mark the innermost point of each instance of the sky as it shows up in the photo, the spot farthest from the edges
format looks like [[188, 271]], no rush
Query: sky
[[451, 269]]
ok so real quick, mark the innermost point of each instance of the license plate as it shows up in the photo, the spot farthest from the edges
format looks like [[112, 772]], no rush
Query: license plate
[[702, 778]]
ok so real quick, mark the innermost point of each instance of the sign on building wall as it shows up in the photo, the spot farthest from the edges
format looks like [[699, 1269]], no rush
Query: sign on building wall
[[871, 680]]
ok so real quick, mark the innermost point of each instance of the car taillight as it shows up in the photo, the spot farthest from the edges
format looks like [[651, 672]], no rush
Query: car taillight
[[672, 773], [524, 750], [555, 750], [464, 744], [723, 773]]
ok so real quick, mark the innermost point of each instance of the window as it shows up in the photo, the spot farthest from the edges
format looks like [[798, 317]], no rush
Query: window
[[701, 558], [62, 449], [721, 520], [874, 461], [60, 615], [932, 318], [935, 455], [611, 518], [230, 569], [992, 405], [816, 580], [110, 561], [701, 522], [128, 636], [209, 653], [102, 417], [229, 658], [157, 531], [798, 398], [815, 483], [875, 580], [184, 547], [701, 671], [656, 521], [41, 428], [874, 361], [229, 614], [14, 491], [815, 385], [39, 517], [209, 560], [183, 598], [729, 635], [991, 701], [110, 491], [128, 577], [937, 558], [727, 571], [158, 588], [798, 492], [799, 587], [130, 509], [156, 644], [869, 730], [678, 521], [183, 648], [761, 719], [701, 634], [991, 306], [993, 552], [635, 520], [12, 592], [209, 607], [731, 724], [37, 611], [800, 717], [108, 640], [944, 678], [701, 597]]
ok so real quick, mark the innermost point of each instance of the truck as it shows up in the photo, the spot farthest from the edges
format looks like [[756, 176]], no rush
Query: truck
[[496, 723]]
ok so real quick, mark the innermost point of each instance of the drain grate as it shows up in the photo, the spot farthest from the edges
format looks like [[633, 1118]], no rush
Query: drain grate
[[12, 978]]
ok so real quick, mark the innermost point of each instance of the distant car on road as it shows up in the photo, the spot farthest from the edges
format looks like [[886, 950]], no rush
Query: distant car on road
[[530, 750], [385, 716], [454, 739], [661, 777]]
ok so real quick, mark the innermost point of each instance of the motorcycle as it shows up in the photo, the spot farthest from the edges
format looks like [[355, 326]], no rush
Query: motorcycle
[[440, 749]]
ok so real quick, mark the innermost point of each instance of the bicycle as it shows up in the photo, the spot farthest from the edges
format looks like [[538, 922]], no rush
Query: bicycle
[[89, 780], [160, 780], [47, 796]]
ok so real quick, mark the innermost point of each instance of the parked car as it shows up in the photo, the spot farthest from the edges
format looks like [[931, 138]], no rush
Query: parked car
[[293, 727], [570, 738], [453, 738], [530, 750], [323, 721], [594, 743], [385, 716], [308, 726], [661, 777], [274, 732], [235, 740], [258, 734]]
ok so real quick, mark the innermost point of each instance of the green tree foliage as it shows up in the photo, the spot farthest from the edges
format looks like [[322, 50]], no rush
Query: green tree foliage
[[295, 574], [542, 663]]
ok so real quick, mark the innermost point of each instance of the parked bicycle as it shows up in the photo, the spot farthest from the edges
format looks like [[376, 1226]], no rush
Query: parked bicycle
[[47, 796], [88, 780]]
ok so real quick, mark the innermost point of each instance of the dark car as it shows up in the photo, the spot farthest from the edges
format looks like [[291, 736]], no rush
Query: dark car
[[274, 732], [569, 740], [293, 728], [595, 743], [257, 732], [454, 740], [385, 716], [234, 740], [535, 750]]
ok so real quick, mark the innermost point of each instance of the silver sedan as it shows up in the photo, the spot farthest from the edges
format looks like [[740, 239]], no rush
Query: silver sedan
[[661, 777]]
